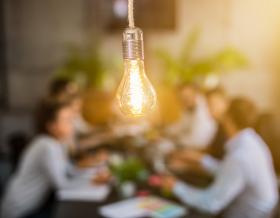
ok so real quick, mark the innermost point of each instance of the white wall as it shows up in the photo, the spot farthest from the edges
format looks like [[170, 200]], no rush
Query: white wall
[[250, 25], [38, 33]]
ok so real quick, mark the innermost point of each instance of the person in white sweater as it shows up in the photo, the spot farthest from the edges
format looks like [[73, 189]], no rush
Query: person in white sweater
[[245, 183], [44, 166], [196, 127]]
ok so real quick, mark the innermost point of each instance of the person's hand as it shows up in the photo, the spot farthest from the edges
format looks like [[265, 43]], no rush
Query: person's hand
[[177, 165], [87, 161], [168, 183], [191, 156], [92, 160], [96, 139], [102, 156], [102, 177]]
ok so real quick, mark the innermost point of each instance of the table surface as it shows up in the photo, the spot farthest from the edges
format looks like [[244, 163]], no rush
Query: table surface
[[76, 209], [73, 209]]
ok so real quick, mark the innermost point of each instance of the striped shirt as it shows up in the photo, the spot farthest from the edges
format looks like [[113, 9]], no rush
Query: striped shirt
[[245, 180], [43, 168]]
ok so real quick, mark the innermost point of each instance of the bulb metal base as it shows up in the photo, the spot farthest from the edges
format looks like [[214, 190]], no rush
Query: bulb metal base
[[133, 44]]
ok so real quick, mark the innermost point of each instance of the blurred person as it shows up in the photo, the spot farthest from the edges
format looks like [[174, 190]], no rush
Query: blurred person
[[58, 87], [245, 183], [218, 103], [65, 89], [196, 128], [85, 136], [44, 166], [192, 132], [186, 161]]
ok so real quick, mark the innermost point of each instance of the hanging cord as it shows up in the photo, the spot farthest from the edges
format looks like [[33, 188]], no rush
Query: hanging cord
[[130, 14]]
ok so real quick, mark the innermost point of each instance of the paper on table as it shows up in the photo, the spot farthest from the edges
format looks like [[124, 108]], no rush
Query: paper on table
[[89, 193], [125, 209], [143, 207]]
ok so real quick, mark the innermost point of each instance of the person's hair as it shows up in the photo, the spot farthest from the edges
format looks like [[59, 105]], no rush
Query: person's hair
[[47, 112], [60, 86], [268, 128], [242, 112], [216, 91]]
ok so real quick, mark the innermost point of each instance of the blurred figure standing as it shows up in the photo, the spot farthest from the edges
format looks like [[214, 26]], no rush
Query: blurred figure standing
[[245, 183]]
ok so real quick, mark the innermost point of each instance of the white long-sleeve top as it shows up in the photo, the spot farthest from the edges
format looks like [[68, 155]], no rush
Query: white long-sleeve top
[[245, 178], [195, 129], [44, 167]]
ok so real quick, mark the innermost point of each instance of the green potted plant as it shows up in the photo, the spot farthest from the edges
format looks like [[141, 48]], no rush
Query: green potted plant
[[185, 68], [128, 173]]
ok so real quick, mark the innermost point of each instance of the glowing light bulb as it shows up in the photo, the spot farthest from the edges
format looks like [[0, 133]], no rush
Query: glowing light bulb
[[136, 95]]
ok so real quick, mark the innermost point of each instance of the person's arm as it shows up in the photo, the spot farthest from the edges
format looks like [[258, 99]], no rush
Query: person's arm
[[94, 140], [228, 184], [210, 163], [57, 167]]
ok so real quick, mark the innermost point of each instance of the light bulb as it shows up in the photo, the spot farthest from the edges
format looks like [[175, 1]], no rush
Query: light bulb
[[136, 95]]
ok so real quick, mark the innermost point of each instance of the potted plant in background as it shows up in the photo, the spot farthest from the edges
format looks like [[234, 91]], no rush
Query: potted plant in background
[[128, 173], [93, 73], [184, 68]]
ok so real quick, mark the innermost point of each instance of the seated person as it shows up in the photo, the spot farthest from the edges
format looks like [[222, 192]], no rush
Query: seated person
[[85, 135], [59, 86], [196, 128], [218, 103], [184, 160], [44, 166], [65, 89], [245, 183]]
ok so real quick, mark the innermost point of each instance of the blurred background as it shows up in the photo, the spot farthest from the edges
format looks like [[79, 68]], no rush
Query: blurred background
[[230, 43], [41, 39]]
